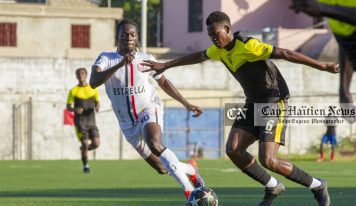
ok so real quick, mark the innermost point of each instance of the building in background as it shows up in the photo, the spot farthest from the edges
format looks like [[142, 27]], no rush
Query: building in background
[[41, 45], [71, 29], [270, 20]]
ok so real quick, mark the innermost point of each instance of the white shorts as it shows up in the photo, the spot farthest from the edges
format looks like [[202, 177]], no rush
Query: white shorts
[[134, 135]]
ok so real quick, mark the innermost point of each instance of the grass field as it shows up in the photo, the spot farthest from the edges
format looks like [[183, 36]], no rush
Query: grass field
[[129, 183]]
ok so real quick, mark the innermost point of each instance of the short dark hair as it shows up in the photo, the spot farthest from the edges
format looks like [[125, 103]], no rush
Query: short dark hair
[[218, 17], [125, 22], [79, 69]]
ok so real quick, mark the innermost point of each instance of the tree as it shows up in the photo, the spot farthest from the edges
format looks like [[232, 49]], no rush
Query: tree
[[132, 10]]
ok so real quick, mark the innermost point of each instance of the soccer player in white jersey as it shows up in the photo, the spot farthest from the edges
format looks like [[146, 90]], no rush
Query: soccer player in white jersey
[[137, 106]]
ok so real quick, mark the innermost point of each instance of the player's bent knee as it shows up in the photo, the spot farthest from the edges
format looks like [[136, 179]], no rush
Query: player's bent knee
[[154, 142], [230, 150], [84, 146], [95, 144], [156, 148], [269, 163], [234, 153]]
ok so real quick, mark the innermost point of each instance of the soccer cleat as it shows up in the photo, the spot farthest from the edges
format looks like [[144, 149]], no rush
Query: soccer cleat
[[196, 179], [187, 193], [271, 193], [321, 193], [86, 169]]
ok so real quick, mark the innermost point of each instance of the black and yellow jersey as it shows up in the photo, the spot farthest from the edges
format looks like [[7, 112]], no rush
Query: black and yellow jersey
[[248, 62], [339, 27], [84, 97]]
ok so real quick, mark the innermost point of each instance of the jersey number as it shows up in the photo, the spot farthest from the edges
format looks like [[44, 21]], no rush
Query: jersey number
[[269, 125], [145, 118]]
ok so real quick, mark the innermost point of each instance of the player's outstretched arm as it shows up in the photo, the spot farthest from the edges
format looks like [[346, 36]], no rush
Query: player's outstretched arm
[[316, 9], [299, 58], [170, 89], [98, 76], [192, 58]]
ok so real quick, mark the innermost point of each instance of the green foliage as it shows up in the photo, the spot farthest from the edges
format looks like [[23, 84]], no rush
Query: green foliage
[[345, 144], [132, 10]]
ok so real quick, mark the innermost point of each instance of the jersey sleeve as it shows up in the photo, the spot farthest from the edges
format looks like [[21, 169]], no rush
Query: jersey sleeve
[[212, 53], [96, 95], [70, 98], [102, 61], [153, 72], [255, 50]]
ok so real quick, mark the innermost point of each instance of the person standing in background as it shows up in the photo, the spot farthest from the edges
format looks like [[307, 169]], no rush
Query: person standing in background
[[85, 101]]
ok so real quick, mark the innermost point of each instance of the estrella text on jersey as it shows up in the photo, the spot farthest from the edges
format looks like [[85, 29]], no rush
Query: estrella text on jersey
[[129, 90]]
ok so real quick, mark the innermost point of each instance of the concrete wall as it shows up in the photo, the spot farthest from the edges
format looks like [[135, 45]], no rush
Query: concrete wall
[[47, 81], [42, 67], [244, 15]]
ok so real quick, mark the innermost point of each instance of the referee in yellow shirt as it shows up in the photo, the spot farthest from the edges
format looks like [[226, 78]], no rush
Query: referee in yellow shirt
[[85, 101]]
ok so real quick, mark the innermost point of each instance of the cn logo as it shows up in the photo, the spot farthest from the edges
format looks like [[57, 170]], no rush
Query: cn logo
[[236, 113]]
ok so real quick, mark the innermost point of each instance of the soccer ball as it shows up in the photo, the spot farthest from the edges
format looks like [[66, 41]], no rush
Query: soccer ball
[[203, 196]]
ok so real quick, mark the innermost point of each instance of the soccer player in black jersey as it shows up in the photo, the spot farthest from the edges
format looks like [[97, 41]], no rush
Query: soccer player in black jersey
[[85, 101], [247, 60]]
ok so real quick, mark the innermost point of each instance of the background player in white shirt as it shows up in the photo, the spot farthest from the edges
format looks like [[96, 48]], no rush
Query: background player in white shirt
[[137, 106]]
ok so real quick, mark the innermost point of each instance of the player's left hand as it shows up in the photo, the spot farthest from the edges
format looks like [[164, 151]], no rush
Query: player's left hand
[[332, 68], [310, 7], [197, 111]]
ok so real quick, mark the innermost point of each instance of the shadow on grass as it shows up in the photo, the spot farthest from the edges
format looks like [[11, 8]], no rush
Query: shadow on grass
[[174, 196]]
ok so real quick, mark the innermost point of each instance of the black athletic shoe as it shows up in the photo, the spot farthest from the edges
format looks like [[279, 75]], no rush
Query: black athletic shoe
[[271, 193], [321, 193], [86, 169]]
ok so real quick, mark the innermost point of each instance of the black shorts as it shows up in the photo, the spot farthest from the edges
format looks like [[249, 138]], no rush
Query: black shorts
[[272, 131], [86, 132], [348, 45]]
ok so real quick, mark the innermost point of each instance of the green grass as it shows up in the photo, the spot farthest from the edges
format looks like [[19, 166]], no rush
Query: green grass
[[129, 183]]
